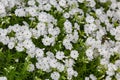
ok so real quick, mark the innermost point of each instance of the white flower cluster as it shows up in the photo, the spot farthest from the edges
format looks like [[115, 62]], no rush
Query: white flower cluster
[[47, 25], [3, 78], [22, 41], [104, 37], [102, 34]]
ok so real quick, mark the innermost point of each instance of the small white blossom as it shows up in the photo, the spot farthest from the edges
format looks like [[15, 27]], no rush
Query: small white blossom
[[68, 26], [31, 67], [60, 55], [39, 52], [74, 54], [47, 7], [2, 10], [55, 76], [92, 77], [89, 19], [43, 17], [11, 45], [60, 67], [67, 44], [66, 15], [3, 78], [62, 3], [20, 12]]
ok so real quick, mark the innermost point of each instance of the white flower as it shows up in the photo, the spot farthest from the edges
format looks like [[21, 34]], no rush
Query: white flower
[[117, 63], [27, 34], [75, 36], [30, 52], [37, 65], [81, 1], [43, 17], [62, 3], [11, 45], [2, 10], [31, 2], [66, 15], [19, 36], [55, 76], [31, 68], [113, 31], [50, 54], [112, 67], [54, 31], [19, 47], [53, 63], [100, 33], [28, 44], [53, 2], [89, 19], [5, 2], [3, 78], [110, 13], [48, 41], [113, 5], [47, 7], [118, 4], [87, 78], [24, 27], [103, 1], [70, 73], [43, 2], [69, 37], [74, 54], [103, 18], [35, 33], [32, 11], [104, 61], [15, 28], [20, 12], [75, 74], [67, 44], [60, 67], [74, 11], [117, 35], [89, 53], [99, 11], [108, 78], [13, 39], [16, 60], [39, 53], [110, 73], [92, 77], [43, 63], [59, 8], [117, 76], [93, 27], [60, 55], [77, 27], [92, 3], [11, 3], [3, 32], [68, 26], [69, 62], [4, 40]]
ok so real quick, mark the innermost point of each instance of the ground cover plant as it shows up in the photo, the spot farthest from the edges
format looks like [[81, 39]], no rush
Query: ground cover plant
[[59, 40]]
